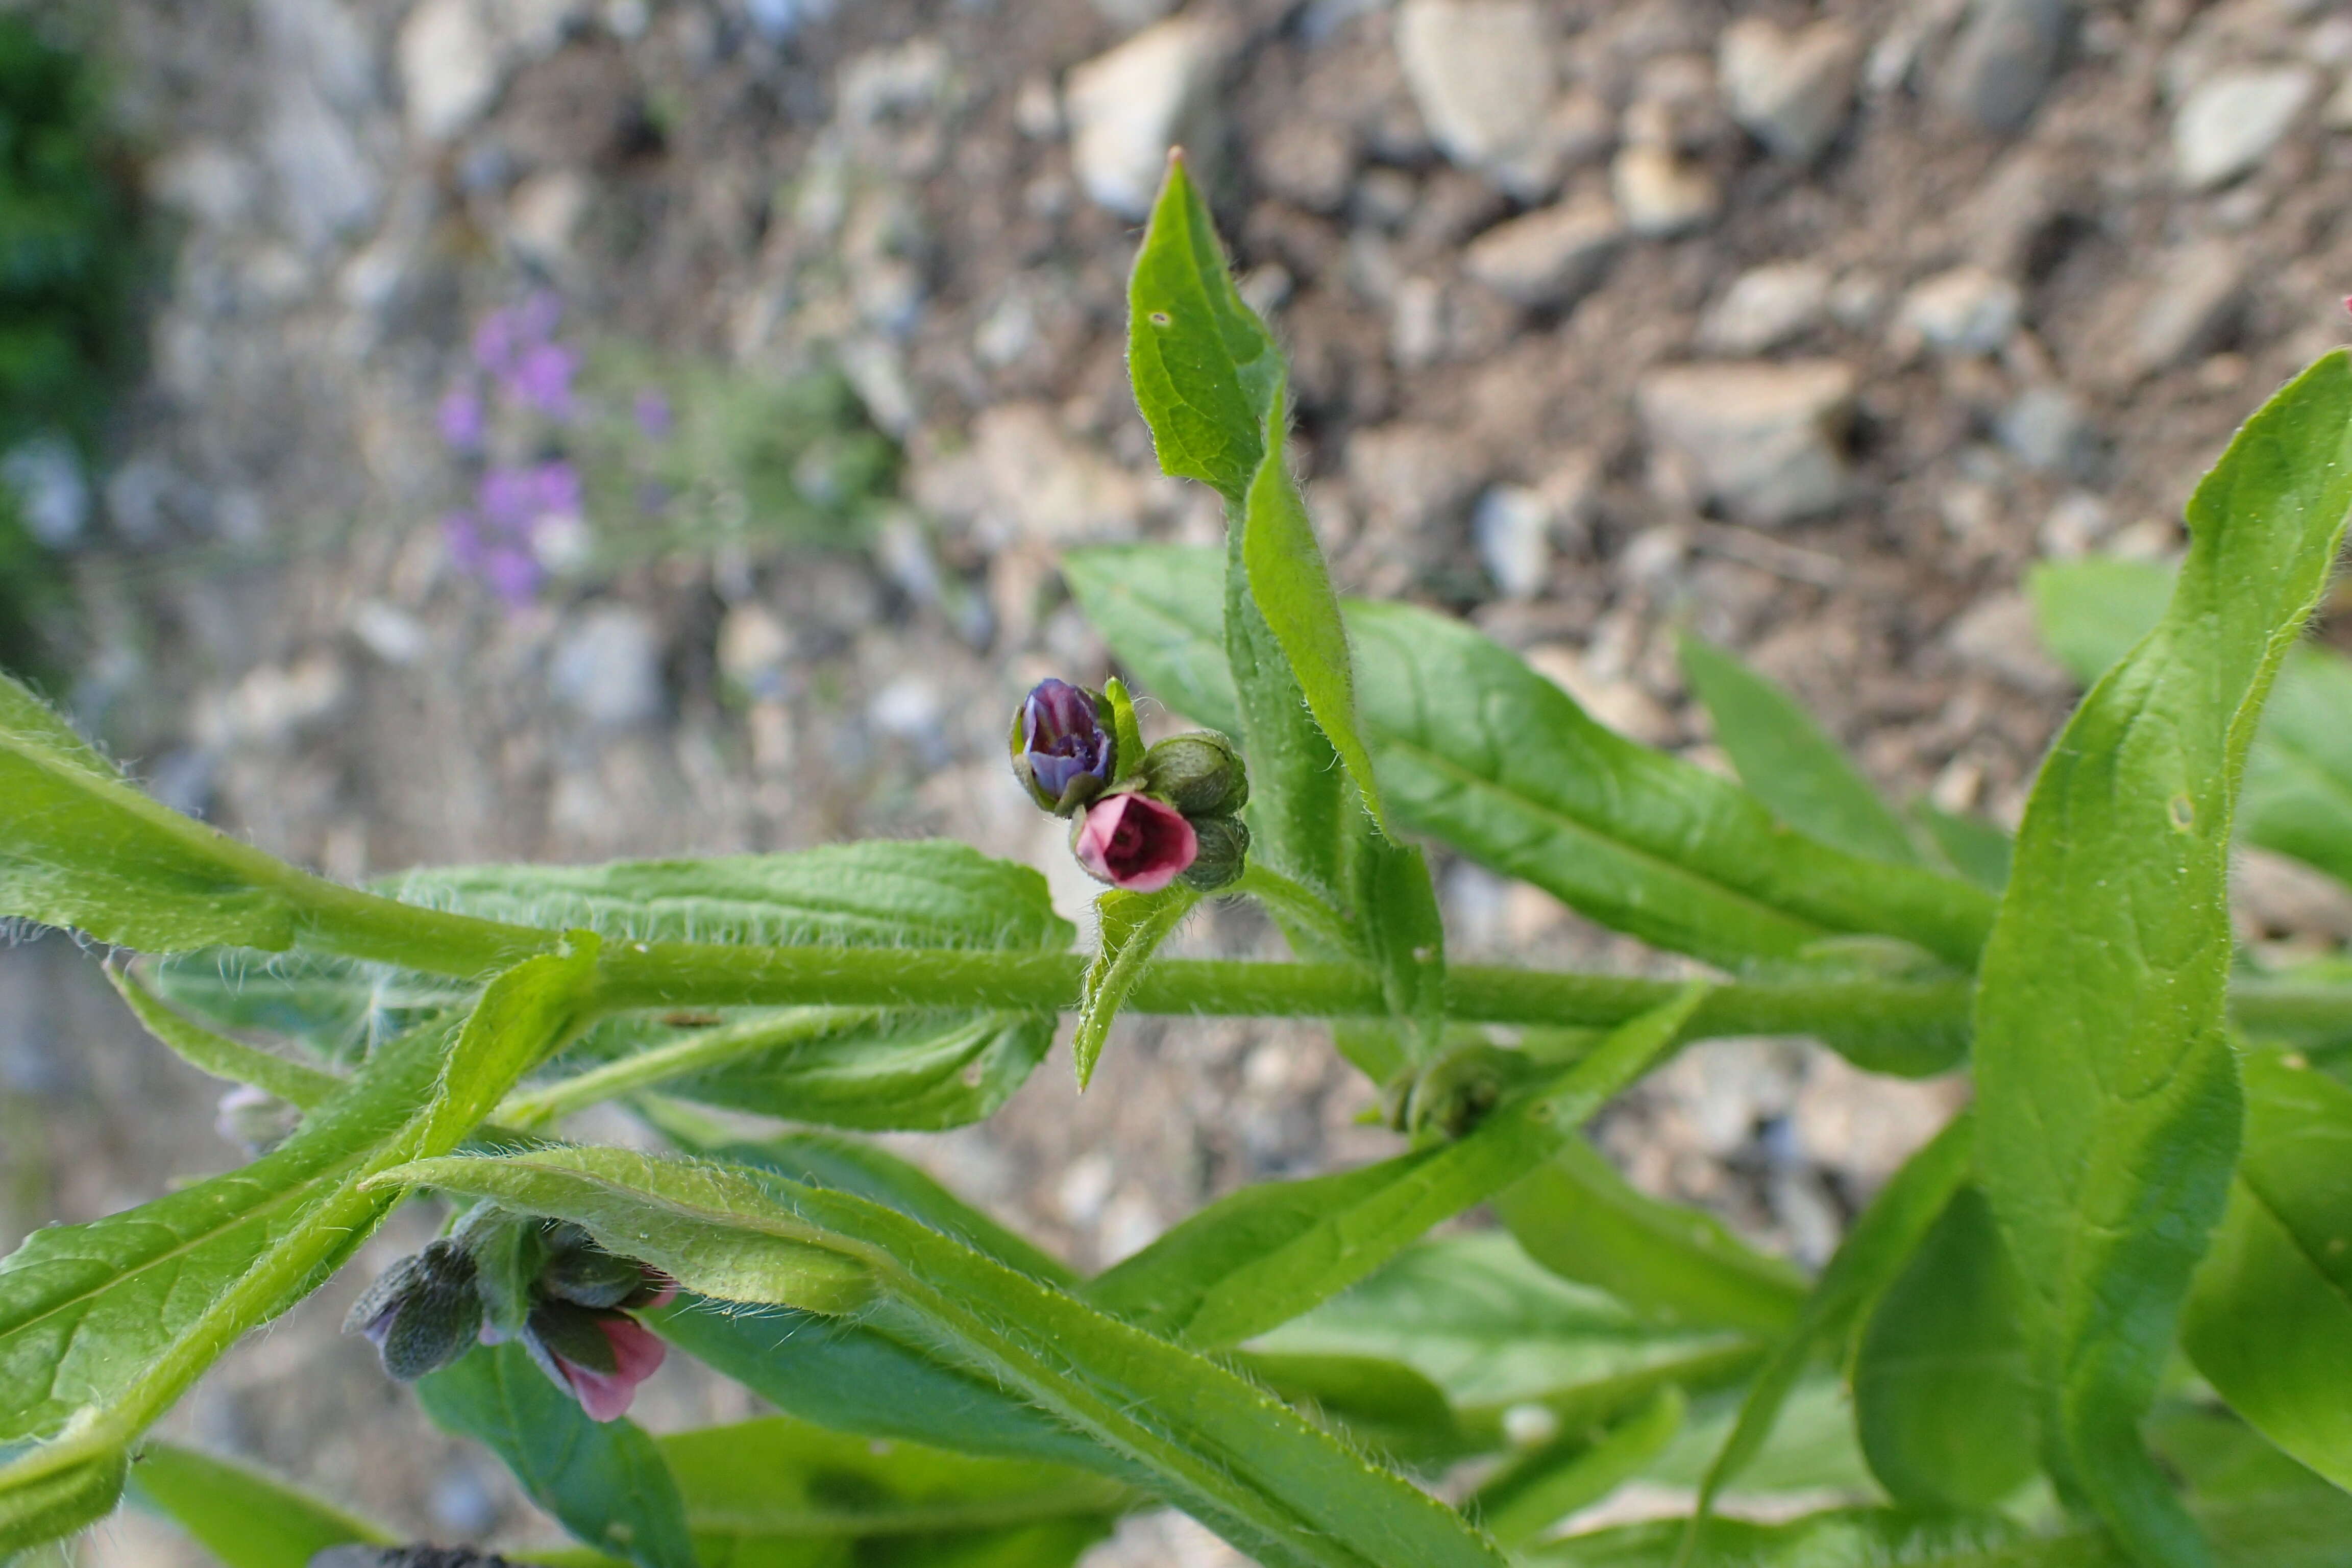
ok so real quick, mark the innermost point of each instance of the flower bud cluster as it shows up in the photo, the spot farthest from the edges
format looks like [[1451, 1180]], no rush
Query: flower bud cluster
[[545, 1282], [1139, 822]]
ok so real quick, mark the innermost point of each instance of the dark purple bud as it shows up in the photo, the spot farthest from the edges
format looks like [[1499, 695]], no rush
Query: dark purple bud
[[422, 1313], [579, 1271], [1062, 752], [1134, 842]]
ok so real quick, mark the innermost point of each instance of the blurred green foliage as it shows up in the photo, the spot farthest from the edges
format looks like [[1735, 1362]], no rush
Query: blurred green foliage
[[69, 265]]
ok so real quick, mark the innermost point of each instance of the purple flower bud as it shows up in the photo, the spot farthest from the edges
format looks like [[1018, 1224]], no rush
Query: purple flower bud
[[1063, 754], [1134, 842], [422, 1313]]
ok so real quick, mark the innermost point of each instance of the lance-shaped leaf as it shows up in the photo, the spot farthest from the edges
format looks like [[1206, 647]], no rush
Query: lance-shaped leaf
[[1269, 1252], [2269, 1321], [875, 1380], [1472, 747], [1404, 935], [219, 1057], [1943, 1395], [1224, 1451], [1577, 1217], [1133, 926], [838, 1067], [854, 1165], [80, 845], [1786, 760], [1205, 370], [1292, 589], [102, 1326], [245, 1519], [762, 1483], [1868, 1260], [1493, 1329], [876, 893], [603, 1482], [1538, 1490], [2296, 795], [2107, 1095]]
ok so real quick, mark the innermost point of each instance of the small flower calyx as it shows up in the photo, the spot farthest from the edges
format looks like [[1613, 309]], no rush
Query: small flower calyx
[[1064, 749], [1200, 774], [502, 1275], [1144, 817]]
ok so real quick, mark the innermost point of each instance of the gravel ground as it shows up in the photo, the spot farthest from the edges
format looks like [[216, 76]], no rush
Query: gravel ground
[[1810, 327]]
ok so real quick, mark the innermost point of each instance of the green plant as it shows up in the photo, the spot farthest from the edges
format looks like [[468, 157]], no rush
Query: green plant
[[69, 263], [2154, 1159]]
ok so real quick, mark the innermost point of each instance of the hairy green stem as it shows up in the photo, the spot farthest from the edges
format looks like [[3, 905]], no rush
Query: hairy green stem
[[364, 925], [697, 1052]]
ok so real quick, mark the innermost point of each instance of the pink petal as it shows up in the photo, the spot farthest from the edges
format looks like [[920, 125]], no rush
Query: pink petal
[[1170, 844], [635, 1346], [604, 1395]]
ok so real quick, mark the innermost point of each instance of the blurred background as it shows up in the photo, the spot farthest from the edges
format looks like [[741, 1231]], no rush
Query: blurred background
[[440, 430]]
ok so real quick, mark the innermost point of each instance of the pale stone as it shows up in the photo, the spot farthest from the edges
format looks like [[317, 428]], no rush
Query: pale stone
[[1127, 106], [1481, 73], [448, 67], [1660, 195], [1966, 311], [2228, 124], [1765, 307], [1549, 257], [1790, 90], [1763, 439]]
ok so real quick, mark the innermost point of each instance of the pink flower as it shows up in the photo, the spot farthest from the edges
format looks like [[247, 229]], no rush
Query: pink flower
[[599, 1358], [1134, 842]]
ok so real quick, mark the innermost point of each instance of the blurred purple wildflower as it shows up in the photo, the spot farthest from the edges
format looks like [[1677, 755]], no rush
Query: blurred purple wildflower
[[518, 513], [516, 344], [460, 419]]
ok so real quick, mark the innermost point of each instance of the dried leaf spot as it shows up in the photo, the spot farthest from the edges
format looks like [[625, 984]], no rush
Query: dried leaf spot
[[2183, 813]]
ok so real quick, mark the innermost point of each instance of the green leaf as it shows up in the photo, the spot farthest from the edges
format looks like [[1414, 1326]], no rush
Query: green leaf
[[1405, 936], [1577, 1217], [1164, 607], [1382, 1403], [1474, 747], [245, 1519], [1480, 1318], [2107, 1095], [86, 1308], [1521, 779], [604, 1481], [1225, 1452], [50, 1491], [1133, 926], [102, 1326], [1868, 1260], [1269, 1252], [932, 893], [855, 1376], [2296, 795], [81, 846], [777, 1479], [1943, 1394], [839, 1066], [2093, 611], [1206, 373], [2269, 1322], [1292, 589], [1971, 846], [335, 1007], [1539, 1489], [1845, 1538], [221, 1058], [1786, 760], [853, 1165]]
